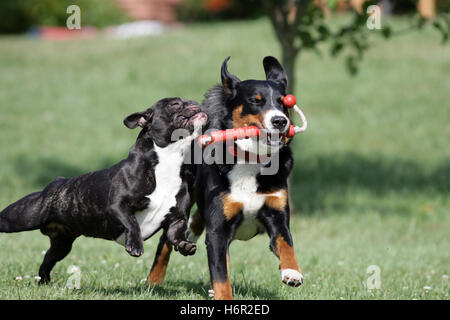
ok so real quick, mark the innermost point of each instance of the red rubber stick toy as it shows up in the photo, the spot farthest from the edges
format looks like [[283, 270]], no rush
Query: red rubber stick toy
[[253, 131]]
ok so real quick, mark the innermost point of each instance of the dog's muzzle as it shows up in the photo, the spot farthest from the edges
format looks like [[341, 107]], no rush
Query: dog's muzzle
[[191, 116]]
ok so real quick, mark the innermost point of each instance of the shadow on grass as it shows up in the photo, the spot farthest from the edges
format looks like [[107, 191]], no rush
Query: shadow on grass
[[171, 289], [314, 179], [250, 290], [133, 291]]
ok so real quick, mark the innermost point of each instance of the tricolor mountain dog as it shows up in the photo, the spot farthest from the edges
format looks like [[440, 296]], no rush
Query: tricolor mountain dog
[[238, 201], [126, 203]]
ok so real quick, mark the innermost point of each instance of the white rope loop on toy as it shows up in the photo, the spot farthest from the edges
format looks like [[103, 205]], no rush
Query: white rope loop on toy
[[303, 118]]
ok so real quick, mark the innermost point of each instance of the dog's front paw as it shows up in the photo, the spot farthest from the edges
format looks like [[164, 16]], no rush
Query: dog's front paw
[[291, 277], [135, 248], [186, 248]]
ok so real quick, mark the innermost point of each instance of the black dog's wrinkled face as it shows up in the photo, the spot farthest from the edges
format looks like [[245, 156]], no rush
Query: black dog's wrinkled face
[[259, 102], [166, 116]]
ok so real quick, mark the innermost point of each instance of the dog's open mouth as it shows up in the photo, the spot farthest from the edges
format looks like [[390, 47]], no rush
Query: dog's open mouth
[[266, 143], [271, 138]]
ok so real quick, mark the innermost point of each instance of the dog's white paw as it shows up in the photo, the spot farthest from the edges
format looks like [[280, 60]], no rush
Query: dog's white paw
[[211, 293], [291, 277]]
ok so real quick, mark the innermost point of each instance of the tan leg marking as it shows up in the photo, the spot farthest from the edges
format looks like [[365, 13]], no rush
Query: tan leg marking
[[222, 290], [286, 254], [290, 272], [277, 202], [158, 272], [230, 208], [197, 224]]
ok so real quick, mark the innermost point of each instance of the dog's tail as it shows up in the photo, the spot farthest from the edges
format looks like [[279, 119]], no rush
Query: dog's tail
[[22, 215]]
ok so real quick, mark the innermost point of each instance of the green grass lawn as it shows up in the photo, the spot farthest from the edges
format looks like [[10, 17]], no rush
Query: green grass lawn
[[370, 184]]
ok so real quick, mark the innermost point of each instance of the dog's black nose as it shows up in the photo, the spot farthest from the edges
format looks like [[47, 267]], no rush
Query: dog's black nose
[[279, 122]]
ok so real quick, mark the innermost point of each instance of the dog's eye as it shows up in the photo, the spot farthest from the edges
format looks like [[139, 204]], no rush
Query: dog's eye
[[258, 99], [175, 106]]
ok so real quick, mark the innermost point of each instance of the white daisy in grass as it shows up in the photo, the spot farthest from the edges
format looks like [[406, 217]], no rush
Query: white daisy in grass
[[427, 288], [445, 277], [18, 278], [73, 269], [37, 278]]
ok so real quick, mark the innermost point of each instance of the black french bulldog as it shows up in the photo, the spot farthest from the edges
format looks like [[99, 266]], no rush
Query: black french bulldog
[[128, 202]]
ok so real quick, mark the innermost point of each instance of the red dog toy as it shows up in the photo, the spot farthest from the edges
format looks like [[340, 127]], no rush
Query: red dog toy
[[253, 131]]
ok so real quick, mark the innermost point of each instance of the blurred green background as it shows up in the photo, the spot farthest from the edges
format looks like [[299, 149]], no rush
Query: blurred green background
[[370, 183]]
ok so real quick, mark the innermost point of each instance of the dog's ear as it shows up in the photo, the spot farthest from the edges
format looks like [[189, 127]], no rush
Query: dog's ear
[[140, 119], [229, 81], [275, 72]]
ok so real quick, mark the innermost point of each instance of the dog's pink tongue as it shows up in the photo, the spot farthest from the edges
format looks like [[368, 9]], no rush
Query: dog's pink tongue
[[199, 118]]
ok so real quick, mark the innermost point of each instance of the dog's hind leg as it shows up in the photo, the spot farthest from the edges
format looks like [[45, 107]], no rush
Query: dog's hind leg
[[60, 246], [23, 215], [158, 271]]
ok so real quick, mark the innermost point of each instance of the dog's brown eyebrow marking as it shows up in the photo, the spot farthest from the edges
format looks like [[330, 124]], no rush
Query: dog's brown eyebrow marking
[[230, 208], [243, 121], [258, 97]]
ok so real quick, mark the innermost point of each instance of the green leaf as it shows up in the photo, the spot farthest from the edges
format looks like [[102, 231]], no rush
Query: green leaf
[[324, 31], [307, 40], [421, 23], [386, 31], [337, 47], [442, 30], [351, 64]]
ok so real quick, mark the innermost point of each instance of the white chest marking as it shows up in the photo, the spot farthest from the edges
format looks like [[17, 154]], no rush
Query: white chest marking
[[243, 186], [243, 189], [168, 183]]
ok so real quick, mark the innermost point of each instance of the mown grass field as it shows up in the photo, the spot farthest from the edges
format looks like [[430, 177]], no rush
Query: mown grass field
[[370, 184]]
